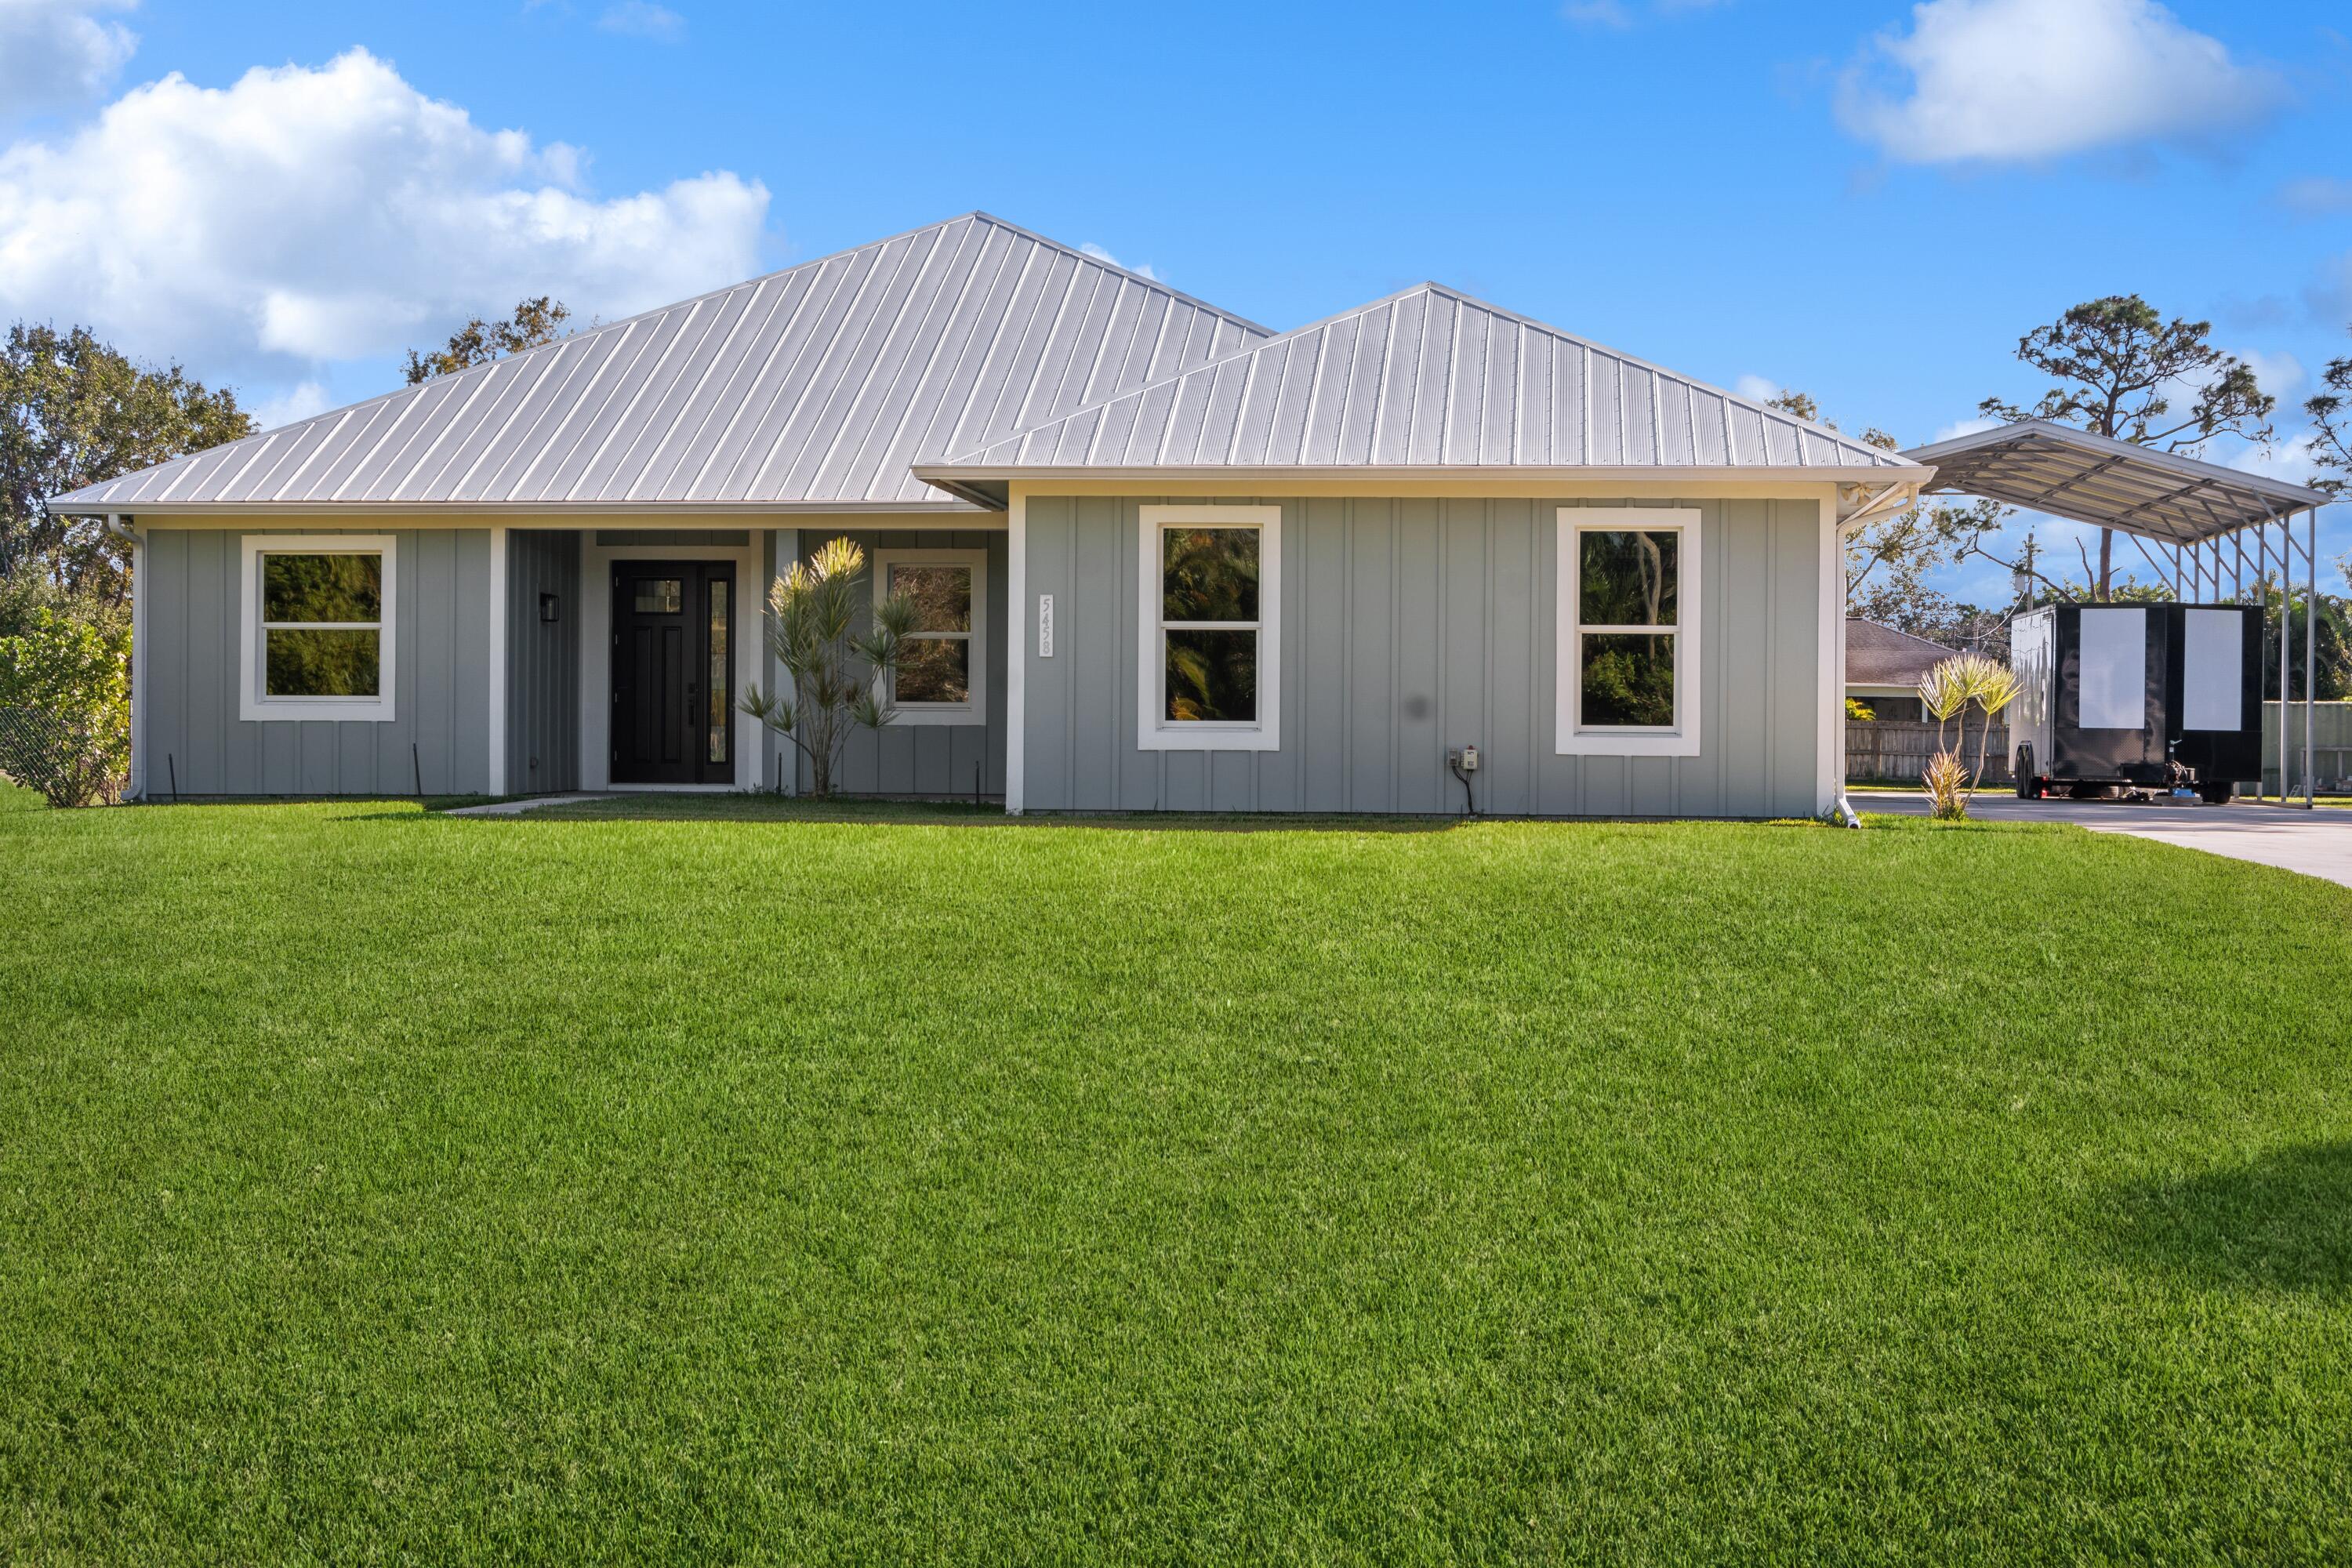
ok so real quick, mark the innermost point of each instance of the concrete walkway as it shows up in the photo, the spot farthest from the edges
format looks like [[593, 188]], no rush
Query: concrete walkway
[[517, 807], [2318, 843]]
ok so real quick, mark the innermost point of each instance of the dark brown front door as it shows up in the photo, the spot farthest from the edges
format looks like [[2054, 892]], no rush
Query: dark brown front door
[[672, 681]]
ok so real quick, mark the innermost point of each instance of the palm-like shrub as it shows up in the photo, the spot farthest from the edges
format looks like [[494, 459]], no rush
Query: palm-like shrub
[[1948, 692], [841, 676]]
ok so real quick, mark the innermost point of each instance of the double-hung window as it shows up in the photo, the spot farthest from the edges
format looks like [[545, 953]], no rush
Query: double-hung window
[[942, 674], [1209, 663], [1628, 653], [317, 621]]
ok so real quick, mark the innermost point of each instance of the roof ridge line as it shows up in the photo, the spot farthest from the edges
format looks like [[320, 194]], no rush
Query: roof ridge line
[[598, 329], [1431, 286]]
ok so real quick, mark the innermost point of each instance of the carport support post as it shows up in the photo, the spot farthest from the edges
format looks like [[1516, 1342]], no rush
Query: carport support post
[[2287, 626], [2310, 647]]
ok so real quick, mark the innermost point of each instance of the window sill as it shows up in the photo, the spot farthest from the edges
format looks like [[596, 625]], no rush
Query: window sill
[[1606, 744], [283, 711], [970, 717], [1190, 739]]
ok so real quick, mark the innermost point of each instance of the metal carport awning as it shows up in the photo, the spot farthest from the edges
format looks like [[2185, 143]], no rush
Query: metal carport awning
[[2219, 533]]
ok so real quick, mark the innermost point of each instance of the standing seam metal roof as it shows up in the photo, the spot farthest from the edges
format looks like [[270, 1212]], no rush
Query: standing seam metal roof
[[1426, 377], [816, 385]]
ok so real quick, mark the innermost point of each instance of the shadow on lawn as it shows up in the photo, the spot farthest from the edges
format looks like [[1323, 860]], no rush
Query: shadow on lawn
[[2282, 1222]]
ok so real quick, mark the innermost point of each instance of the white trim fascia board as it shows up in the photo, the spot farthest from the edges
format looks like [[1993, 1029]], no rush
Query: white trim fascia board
[[1617, 490], [975, 561], [497, 692], [1683, 741], [596, 652], [282, 513], [1270, 477], [1266, 734], [1019, 622], [251, 706]]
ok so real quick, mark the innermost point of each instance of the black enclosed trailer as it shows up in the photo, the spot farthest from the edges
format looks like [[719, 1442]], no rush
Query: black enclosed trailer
[[2137, 696]]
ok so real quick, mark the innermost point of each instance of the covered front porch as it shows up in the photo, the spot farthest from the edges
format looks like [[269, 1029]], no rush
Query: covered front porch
[[625, 652]]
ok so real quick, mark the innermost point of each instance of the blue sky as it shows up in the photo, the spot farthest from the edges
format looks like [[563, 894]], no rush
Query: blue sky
[[1865, 199]]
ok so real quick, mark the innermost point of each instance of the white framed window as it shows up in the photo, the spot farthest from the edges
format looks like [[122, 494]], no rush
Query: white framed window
[[1209, 662], [1628, 653], [942, 674], [316, 624]]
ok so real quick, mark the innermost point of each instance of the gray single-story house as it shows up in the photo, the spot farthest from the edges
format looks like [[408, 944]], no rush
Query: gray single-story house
[[1170, 559], [1883, 668]]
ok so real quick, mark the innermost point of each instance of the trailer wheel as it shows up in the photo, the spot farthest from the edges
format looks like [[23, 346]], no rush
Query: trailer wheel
[[2023, 767], [2217, 792]]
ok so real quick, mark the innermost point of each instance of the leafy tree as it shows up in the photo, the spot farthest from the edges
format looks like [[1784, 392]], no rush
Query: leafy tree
[[75, 412], [813, 635], [2333, 666], [1893, 555], [2331, 420], [65, 707], [534, 322], [2117, 364]]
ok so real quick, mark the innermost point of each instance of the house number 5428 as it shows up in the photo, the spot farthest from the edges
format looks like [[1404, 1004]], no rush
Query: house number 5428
[[1044, 626]]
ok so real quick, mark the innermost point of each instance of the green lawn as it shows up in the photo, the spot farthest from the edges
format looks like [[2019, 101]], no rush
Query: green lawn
[[377, 1185]]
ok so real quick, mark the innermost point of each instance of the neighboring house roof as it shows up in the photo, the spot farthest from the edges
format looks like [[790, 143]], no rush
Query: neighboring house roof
[[1881, 656], [1428, 379], [813, 387]]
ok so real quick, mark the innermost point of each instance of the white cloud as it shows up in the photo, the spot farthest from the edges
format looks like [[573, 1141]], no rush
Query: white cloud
[[1756, 388], [2294, 459], [2278, 374], [642, 19], [1961, 428], [297, 401], [1996, 80], [55, 53], [2316, 196], [1099, 254], [303, 216], [1615, 13]]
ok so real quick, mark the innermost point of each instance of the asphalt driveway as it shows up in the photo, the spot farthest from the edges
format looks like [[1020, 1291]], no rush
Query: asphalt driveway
[[2319, 842]]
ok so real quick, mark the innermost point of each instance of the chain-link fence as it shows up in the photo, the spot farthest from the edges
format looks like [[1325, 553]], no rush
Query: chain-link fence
[[65, 763]]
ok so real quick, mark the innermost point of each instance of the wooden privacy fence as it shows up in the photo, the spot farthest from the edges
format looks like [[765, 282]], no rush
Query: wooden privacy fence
[[1899, 749]]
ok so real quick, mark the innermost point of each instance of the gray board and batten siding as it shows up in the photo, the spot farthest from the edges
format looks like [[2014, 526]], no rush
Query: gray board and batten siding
[[191, 592], [542, 661], [1411, 626], [912, 759]]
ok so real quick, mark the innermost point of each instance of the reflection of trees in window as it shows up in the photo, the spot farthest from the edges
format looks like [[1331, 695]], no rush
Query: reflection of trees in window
[[935, 658], [321, 620], [1208, 613], [1628, 610]]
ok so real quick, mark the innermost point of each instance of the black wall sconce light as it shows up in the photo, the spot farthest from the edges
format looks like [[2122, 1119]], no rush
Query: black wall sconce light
[[551, 607]]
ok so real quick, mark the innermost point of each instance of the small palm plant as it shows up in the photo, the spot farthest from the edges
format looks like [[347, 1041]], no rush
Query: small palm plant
[[841, 677], [1947, 692]]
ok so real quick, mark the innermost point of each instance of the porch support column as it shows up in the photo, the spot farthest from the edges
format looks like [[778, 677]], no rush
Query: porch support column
[[1017, 624], [497, 693]]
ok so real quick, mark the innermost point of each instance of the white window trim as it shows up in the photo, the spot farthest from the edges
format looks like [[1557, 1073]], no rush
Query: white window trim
[[976, 710], [253, 704], [1571, 740], [1154, 733]]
